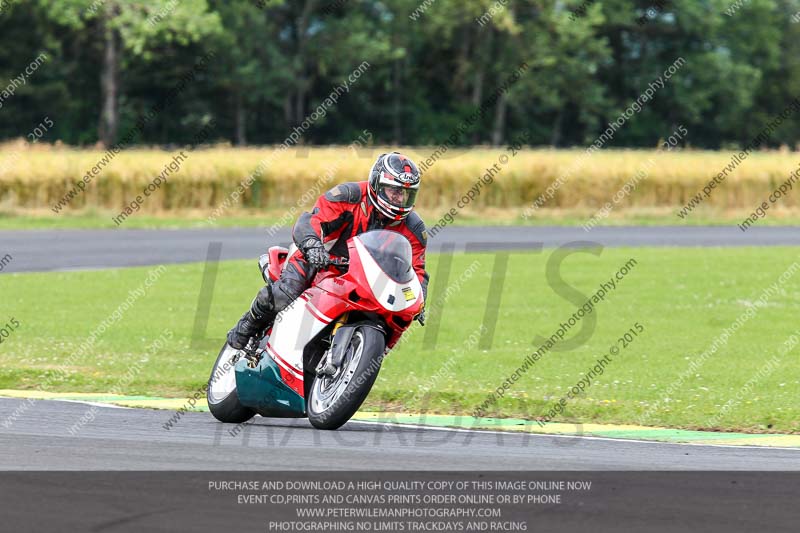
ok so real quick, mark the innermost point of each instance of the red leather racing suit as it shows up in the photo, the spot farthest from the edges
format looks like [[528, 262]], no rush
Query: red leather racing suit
[[338, 215]]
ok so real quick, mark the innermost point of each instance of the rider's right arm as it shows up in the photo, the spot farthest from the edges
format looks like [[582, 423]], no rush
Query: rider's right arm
[[304, 230], [330, 213]]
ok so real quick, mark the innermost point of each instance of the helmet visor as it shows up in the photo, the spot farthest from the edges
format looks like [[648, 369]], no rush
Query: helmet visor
[[400, 197]]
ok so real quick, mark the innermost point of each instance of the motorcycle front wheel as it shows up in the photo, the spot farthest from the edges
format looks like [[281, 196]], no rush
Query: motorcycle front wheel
[[334, 399]]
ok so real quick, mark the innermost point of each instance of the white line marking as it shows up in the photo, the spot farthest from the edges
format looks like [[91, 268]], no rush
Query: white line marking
[[85, 402]]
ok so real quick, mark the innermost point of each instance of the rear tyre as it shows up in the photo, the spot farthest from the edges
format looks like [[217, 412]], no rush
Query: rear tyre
[[223, 402], [334, 399]]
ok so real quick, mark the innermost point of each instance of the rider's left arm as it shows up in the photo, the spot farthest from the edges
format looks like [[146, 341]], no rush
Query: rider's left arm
[[418, 255]]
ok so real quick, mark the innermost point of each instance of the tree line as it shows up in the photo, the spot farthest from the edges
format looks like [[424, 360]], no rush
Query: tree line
[[259, 68]]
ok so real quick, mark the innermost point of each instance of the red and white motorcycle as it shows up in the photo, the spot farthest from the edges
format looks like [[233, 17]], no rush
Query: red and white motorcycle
[[323, 353]]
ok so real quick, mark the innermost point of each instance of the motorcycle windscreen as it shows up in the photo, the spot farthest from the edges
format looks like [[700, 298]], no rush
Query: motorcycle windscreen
[[386, 259], [391, 251]]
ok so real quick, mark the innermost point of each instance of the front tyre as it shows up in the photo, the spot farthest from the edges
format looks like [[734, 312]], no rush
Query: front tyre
[[334, 399], [223, 401]]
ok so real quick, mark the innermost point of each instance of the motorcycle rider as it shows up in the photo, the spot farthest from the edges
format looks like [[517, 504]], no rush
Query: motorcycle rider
[[384, 201]]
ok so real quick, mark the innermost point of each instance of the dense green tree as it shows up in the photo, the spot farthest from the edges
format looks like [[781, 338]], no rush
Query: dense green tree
[[427, 66], [135, 28]]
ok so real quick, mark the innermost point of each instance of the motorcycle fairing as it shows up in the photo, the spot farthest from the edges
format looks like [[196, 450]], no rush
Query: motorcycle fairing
[[294, 327], [393, 296], [275, 387], [277, 257], [264, 390]]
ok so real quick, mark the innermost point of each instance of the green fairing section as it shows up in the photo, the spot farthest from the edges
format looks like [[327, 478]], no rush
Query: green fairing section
[[262, 389]]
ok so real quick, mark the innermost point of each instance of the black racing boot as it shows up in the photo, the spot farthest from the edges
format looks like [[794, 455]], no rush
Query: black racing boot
[[247, 327], [259, 317]]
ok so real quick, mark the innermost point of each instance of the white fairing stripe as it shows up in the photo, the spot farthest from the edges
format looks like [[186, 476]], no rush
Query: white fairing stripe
[[277, 358], [315, 309], [294, 327], [392, 296]]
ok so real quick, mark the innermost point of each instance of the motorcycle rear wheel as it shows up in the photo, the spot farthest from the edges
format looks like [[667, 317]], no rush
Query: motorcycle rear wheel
[[223, 401]]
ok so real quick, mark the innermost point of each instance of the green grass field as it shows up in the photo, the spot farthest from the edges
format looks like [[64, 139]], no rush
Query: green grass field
[[684, 298], [99, 219]]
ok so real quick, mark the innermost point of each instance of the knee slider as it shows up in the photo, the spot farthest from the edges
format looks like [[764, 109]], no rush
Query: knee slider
[[280, 300]]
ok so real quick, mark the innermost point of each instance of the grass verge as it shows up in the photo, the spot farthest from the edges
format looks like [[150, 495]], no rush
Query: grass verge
[[16, 219], [684, 298]]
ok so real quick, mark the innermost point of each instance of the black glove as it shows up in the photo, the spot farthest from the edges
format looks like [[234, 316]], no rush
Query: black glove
[[421, 316], [316, 254]]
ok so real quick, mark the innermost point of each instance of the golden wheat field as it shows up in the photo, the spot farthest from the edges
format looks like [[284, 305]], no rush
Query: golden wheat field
[[38, 176]]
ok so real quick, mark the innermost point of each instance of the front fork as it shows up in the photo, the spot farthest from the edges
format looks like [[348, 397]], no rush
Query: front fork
[[327, 366]]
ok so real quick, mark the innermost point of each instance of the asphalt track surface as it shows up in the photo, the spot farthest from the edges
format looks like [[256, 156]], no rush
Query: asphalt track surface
[[135, 439], [49, 436], [58, 250]]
